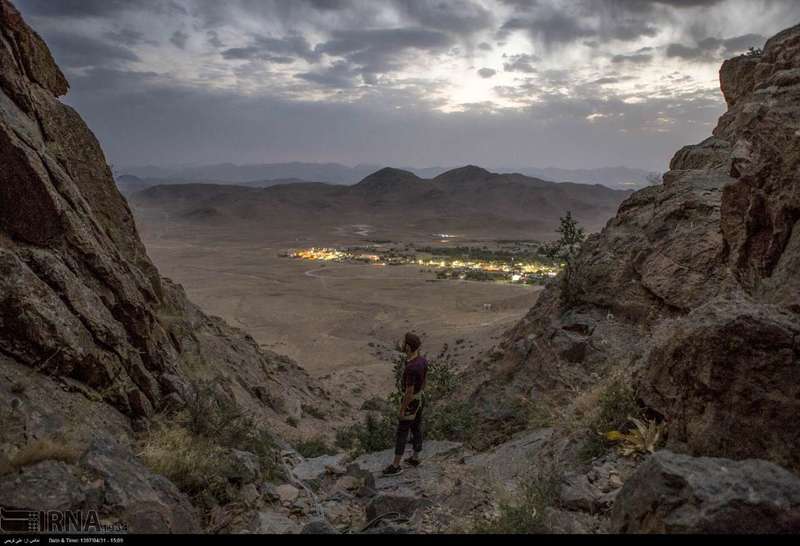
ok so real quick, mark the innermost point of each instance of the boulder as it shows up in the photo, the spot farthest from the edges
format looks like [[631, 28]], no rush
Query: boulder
[[287, 493], [727, 380], [48, 485], [318, 527], [272, 523], [348, 483], [577, 493], [243, 467], [316, 468], [672, 493], [402, 502], [250, 494]]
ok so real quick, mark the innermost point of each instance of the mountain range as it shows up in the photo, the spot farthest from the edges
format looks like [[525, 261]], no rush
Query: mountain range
[[334, 173], [469, 200]]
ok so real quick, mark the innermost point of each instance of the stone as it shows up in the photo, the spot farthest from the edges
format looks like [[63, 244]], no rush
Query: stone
[[383, 528], [317, 467], [672, 493], [404, 503], [272, 523], [348, 483], [366, 477], [578, 494], [578, 323], [318, 527], [147, 502], [249, 494], [243, 467], [564, 522], [726, 378], [287, 493], [269, 492], [48, 485]]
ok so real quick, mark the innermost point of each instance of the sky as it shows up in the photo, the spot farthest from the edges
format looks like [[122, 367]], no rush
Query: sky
[[564, 83]]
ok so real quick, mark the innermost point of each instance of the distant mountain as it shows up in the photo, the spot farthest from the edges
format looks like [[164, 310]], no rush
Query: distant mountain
[[623, 178], [468, 200], [129, 184], [335, 173]]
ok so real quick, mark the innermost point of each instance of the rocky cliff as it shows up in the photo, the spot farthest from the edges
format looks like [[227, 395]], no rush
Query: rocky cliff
[[689, 295], [94, 344]]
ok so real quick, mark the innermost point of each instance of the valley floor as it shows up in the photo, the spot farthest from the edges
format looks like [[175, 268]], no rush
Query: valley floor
[[339, 321]]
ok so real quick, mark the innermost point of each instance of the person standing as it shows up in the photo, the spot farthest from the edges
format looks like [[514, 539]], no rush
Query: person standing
[[410, 416]]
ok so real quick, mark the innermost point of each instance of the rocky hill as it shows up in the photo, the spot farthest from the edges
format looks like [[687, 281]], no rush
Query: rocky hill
[[98, 353], [687, 299], [468, 200]]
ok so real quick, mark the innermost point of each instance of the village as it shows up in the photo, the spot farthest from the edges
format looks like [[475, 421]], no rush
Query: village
[[499, 261]]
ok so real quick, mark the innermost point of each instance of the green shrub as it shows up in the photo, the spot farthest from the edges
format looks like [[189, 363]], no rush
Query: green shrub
[[189, 448], [454, 421], [442, 420], [617, 405], [374, 433], [525, 514], [313, 411], [314, 447]]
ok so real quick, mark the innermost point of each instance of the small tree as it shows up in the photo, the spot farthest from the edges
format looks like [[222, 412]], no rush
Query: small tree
[[566, 248], [754, 52]]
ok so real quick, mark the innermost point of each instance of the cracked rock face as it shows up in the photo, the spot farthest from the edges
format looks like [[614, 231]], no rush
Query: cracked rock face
[[93, 342], [78, 294]]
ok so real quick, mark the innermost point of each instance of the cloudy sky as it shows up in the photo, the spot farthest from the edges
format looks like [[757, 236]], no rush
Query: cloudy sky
[[566, 83]]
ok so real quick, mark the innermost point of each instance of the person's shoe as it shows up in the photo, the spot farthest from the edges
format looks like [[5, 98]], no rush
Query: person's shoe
[[412, 461], [392, 470]]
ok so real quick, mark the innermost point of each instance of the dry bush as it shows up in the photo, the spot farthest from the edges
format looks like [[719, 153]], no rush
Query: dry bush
[[38, 451], [192, 462], [642, 439], [525, 514]]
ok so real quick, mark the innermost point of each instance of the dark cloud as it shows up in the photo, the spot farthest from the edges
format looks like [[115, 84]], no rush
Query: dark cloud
[[711, 49], [213, 39], [459, 16], [340, 75], [163, 123], [76, 51], [179, 39], [267, 48], [126, 36], [521, 63], [551, 28], [378, 51], [95, 8], [487, 72], [641, 56]]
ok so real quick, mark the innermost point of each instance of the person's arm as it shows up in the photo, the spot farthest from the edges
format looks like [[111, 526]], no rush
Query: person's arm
[[408, 396]]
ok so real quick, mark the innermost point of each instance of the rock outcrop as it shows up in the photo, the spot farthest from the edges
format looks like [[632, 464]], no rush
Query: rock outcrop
[[689, 296], [672, 493], [692, 288], [93, 342]]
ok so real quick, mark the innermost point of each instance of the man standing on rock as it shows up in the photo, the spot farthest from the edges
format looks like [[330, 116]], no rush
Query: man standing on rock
[[410, 417]]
